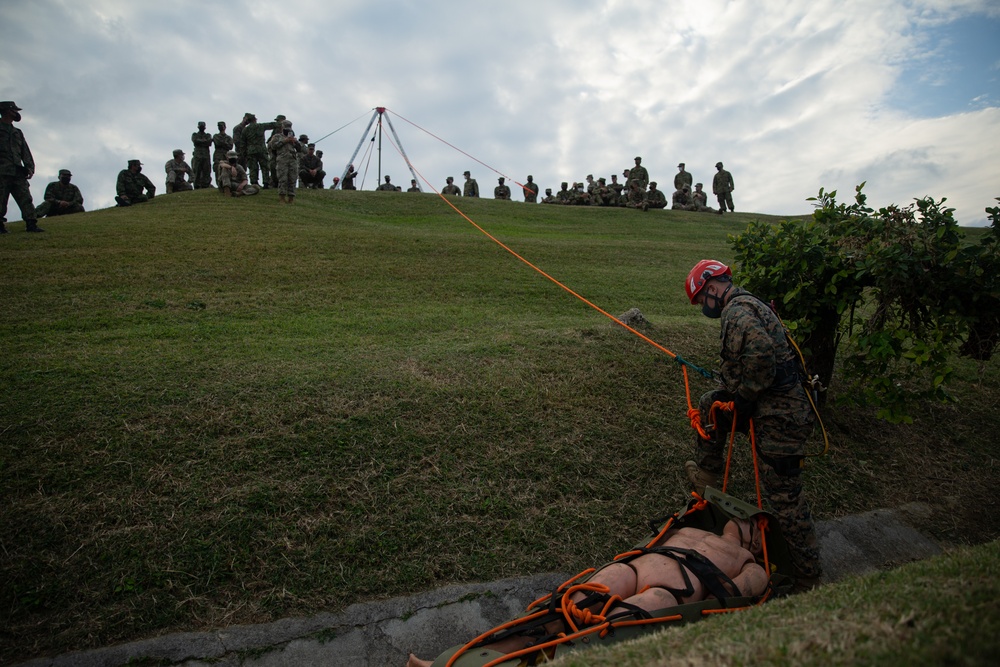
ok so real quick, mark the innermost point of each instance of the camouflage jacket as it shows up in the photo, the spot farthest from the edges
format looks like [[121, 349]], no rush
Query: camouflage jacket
[[311, 162], [56, 192], [722, 182], [656, 197], [501, 192], [757, 361], [471, 188], [681, 179], [285, 149], [202, 142], [223, 144], [132, 184], [239, 142], [14, 152], [253, 137], [451, 189], [639, 174]]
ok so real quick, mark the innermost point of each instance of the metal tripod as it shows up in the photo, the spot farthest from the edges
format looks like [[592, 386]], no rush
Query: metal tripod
[[380, 113]]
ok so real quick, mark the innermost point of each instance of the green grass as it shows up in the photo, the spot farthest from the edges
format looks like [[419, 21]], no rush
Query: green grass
[[943, 611], [225, 411]]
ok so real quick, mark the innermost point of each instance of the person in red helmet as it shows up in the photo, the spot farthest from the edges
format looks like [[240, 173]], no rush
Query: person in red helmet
[[760, 375]]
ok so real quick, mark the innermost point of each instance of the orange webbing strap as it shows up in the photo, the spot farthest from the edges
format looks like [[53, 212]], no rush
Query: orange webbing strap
[[695, 421]]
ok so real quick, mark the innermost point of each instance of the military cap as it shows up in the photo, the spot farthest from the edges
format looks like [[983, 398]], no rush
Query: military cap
[[9, 105], [221, 123], [590, 175], [304, 138], [178, 151], [718, 164], [65, 171], [232, 154], [698, 185], [449, 179], [500, 179], [565, 183], [131, 162], [602, 180], [637, 158], [312, 145], [652, 184], [466, 173], [279, 117], [201, 123], [548, 190]]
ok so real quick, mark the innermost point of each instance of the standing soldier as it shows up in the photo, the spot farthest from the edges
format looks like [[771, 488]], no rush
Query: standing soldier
[[450, 188], [501, 191], [530, 190], [471, 188], [223, 144], [272, 157], [287, 149], [759, 376], [722, 188], [348, 182], [16, 167], [253, 135], [682, 178], [201, 158], [61, 197], [239, 141], [639, 173]]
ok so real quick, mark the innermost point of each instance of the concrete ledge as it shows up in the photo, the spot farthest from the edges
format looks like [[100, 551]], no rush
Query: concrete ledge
[[383, 632]]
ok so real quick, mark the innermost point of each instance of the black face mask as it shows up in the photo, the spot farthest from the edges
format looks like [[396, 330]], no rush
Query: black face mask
[[64, 180], [232, 160], [713, 305]]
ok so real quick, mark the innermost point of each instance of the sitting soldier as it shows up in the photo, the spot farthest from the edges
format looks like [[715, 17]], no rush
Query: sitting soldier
[[231, 176], [548, 198], [61, 197], [178, 173], [685, 565], [311, 172], [636, 196], [133, 187], [654, 197], [699, 200], [387, 186], [682, 199]]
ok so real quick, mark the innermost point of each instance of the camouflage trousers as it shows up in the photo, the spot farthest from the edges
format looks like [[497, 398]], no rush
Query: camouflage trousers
[[780, 440], [16, 186], [47, 209], [287, 168], [201, 174], [257, 168], [725, 199]]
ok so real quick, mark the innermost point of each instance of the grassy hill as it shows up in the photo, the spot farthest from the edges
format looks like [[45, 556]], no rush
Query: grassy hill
[[221, 411]]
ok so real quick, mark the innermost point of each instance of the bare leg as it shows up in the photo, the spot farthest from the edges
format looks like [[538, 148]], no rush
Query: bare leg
[[414, 661], [653, 599]]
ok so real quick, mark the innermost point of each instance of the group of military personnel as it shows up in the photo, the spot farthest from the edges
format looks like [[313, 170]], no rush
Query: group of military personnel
[[636, 192], [17, 166]]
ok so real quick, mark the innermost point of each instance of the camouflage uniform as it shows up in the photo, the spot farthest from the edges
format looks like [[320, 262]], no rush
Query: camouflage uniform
[[471, 188], [240, 142], [682, 178], [309, 162], [56, 192], [655, 198], [759, 366], [681, 200], [133, 185], [548, 198], [286, 161], [175, 175], [722, 188], [223, 144], [636, 197], [501, 191], [451, 188], [256, 150], [564, 196], [201, 159], [699, 200], [16, 165], [639, 173], [530, 191]]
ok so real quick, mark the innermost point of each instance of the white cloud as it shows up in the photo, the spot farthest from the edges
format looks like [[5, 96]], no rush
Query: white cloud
[[786, 94]]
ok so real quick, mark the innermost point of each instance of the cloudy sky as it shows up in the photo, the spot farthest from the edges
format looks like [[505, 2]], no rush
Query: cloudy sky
[[791, 96]]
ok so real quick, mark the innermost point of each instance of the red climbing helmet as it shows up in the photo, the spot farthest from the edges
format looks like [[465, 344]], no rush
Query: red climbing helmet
[[702, 272]]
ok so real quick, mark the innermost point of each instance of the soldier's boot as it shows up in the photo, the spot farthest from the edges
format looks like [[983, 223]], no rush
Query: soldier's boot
[[3, 229], [32, 226], [291, 199], [281, 198], [170, 188], [700, 478], [227, 191]]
